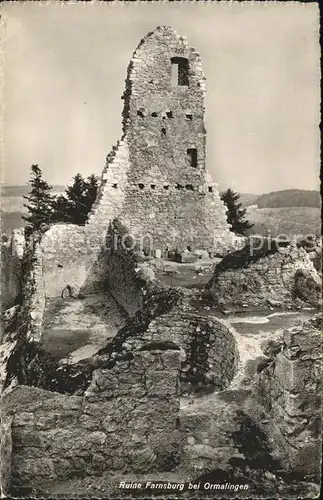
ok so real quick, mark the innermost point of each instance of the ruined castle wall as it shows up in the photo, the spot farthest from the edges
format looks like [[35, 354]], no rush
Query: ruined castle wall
[[168, 197], [75, 256], [151, 183], [271, 279], [5, 455], [119, 425], [11, 255], [111, 195], [34, 292], [290, 389], [209, 353], [125, 284]]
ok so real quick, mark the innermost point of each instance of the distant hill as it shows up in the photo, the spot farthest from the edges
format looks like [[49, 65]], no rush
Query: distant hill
[[248, 199], [290, 211], [24, 190], [289, 198], [285, 220]]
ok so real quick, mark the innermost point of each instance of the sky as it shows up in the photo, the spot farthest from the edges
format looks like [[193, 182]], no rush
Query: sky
[[65, 66]]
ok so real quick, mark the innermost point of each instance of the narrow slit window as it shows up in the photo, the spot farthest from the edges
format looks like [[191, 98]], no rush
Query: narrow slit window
[[179, 71], [192, 157], [163, 130]]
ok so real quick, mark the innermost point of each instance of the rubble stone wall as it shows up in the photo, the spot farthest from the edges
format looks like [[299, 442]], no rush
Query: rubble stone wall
[[33, 291], [290, 389], [125, 284], [276, 278], [151, 181], [209, 354], [11, 255], [75, 256], [119, 425], [5, 455]]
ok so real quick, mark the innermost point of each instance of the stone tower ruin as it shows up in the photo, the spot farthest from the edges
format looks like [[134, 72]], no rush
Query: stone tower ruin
[[155, 180]]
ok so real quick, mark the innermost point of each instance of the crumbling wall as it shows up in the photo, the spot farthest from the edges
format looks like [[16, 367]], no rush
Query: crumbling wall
[[290, 389], [33, 306], [119, 425], [11, 256], [151, 180], [75, 256], [5, 455], [273, 274], [155, 179], [209, 354], [128, 271], [124, 280]]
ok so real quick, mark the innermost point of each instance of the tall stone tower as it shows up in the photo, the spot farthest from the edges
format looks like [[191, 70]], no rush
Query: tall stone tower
[[155, 181]]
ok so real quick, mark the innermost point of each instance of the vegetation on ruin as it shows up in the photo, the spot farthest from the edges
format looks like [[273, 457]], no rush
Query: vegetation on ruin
[[40, 200], [255, 249], [236, 215], [72, 207]]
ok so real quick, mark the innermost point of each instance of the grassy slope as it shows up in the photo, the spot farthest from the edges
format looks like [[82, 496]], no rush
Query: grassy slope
[[285, 220]]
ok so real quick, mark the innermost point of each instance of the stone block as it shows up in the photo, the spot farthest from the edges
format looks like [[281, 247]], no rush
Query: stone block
[[161, 383], [24, 418], [143, 459], [300, 404], [33, 471], [293, 375]]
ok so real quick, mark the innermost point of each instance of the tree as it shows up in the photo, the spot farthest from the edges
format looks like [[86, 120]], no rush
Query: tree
[[77, 202], [236, 214], [72, 207], [40, 200]]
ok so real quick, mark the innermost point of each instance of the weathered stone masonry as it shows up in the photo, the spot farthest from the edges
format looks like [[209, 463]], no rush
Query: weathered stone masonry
[[119, 425], [274, 275], [156, 180], [290, 389]]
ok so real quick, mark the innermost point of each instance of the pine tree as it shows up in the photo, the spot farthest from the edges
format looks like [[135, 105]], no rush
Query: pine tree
[[77, 202], [62, 210], [235, 214], [40, 200], [76, 196], [92, 187]]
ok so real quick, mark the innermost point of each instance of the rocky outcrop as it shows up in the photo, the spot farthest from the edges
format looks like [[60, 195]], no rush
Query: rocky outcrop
[[290, 389], [269, 274]]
